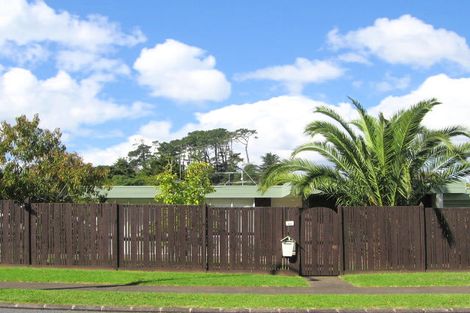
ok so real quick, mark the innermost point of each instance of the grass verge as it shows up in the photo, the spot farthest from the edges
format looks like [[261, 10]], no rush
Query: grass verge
[[58, 275], [137, 299], [409, 279]]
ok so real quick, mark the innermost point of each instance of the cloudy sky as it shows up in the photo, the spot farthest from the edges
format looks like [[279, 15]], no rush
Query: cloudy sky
[[112, 73]]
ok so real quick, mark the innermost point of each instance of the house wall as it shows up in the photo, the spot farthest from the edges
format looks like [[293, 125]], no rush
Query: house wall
[[131, 201], [295, 202], [456, 200], [231, 202], [250, 202], [220, 202]]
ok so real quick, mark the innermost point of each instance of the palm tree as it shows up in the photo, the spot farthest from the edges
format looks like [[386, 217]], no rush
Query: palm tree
[[374, 160]]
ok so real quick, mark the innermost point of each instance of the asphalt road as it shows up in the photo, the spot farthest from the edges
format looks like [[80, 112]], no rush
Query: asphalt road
[[2, 310]]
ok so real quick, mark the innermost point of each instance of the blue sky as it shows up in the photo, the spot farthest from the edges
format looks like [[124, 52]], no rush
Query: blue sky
[[114, 73]]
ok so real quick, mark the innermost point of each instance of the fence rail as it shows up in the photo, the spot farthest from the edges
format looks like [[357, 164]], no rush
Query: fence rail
[[330, 241]]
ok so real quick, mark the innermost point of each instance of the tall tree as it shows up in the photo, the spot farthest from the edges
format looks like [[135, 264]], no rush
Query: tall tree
[[210, 146], [243, 136], [375, 160], [121, 168], [267, 161], [250, 174], [35, 166], [140, 156]]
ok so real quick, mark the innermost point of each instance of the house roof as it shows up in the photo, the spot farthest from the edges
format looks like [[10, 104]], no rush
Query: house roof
[[237, 191], [229, 191], [456, 187]]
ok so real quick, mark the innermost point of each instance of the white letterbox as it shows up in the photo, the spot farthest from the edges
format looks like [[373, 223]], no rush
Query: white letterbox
[[288, 246]]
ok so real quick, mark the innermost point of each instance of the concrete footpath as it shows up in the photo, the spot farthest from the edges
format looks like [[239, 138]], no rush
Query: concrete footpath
[[318, 285]]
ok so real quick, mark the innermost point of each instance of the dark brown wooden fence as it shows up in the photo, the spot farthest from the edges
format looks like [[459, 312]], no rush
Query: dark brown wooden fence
[[350, 239]]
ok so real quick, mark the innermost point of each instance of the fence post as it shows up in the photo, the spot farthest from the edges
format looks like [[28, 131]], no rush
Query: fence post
[[423, 237], [341, 241], [205, 238], [117, 239], [28, 231], [300, 244]]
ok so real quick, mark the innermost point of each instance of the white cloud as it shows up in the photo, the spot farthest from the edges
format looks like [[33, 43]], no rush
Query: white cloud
[[296, 76], [60, 100], [26, 55], [451, 92], [109, 155], [155, 130], [405, 40], [357, 83], [280, 123], [82, 61], [31, 32], [24, 23], [352, 57], [181, 72], [161, 130], [391, 82]]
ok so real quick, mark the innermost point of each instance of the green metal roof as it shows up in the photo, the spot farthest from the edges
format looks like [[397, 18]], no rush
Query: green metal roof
[[237, 191], [247, 191], [133, 192]]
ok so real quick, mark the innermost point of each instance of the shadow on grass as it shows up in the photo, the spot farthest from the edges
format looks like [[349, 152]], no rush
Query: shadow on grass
[[134, 283], [204, 281]]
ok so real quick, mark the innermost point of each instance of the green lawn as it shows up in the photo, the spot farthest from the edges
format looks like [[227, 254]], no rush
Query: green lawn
[[409, 279], [141, 299], [58, 275]]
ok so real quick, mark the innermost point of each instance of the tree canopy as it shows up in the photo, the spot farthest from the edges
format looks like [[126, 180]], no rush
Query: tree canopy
[[376, 160], [191, 189], [35, 166], [214, 147]]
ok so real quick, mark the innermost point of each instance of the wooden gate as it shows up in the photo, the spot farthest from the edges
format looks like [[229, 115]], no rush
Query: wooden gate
[[320, 235]]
